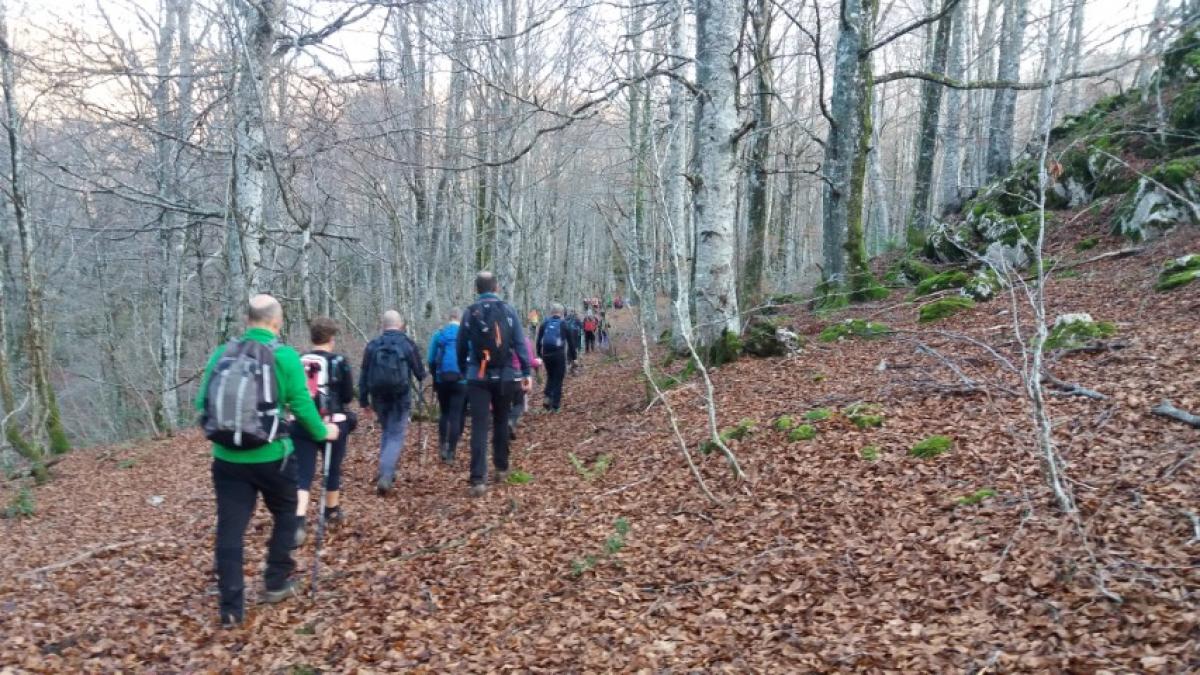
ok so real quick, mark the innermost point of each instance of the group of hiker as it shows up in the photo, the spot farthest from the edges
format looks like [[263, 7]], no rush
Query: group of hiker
[[270, 411]]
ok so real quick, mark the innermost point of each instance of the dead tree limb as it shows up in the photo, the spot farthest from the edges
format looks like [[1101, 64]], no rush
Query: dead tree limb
[[86, 555], [1072, 389], [1165, 409]]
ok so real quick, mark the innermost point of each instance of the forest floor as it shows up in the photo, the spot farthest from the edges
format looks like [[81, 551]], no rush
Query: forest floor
[[823, 559]]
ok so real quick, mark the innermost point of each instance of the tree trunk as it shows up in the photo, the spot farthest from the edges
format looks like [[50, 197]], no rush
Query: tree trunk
[[1052, 64], [758, 198], [1004, 101], [37, 337], [253, 42], [948, 193], [715, 288], [931, 103], [674, 168]]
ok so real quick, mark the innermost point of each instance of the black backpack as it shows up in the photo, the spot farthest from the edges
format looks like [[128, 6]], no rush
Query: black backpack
[[388, 372], [241, 406], [489, 331]]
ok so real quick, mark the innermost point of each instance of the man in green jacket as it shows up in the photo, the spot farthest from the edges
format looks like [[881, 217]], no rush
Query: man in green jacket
[[240, 474]]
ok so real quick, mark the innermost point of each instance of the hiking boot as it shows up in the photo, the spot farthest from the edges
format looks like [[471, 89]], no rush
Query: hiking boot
[[478, 490], [274, 597], [334, 515], [512, 432], [500, 477], [444, 452], [231, 621], [384, 485], [301, 533]]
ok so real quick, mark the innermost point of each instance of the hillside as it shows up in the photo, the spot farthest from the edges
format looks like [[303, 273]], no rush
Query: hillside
[[829, 557]]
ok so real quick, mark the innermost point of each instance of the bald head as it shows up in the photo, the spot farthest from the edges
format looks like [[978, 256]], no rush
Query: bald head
[[265, 312], [485, 282], [392, 320]]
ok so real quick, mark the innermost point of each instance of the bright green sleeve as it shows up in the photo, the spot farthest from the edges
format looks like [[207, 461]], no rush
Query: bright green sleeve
[[293, 390], [212, 362]]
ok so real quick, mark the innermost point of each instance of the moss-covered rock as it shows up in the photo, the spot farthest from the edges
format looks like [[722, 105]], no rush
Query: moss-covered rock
[[1151, 210], [853, 328], [1179, 272], [763, 339], [1077, 330], [1181, 61], [908, 271], [942, 281], [984, 285], [940, 309]]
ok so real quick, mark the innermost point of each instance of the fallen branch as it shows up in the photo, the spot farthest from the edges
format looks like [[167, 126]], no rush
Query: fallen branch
[[1119, 253], [1195, 527], [1165, 409], [1070, 389], [86, 555]]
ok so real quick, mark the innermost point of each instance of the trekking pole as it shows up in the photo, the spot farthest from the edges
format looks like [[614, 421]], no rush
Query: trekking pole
[[321, 519], [420, 422]]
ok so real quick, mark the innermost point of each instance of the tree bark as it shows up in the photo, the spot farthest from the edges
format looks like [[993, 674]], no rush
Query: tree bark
[[715, 289], [674, 168], [1004, 101], [931, 103], [948, 193], [758, 196], [37, 337]]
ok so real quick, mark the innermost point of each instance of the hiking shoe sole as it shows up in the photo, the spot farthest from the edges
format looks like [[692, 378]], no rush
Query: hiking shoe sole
[[276, 597]]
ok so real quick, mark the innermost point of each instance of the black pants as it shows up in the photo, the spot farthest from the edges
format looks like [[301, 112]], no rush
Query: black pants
[[589, 341], [490, 401], [452, 408], [556, 372], [306, 457], [237, 487]]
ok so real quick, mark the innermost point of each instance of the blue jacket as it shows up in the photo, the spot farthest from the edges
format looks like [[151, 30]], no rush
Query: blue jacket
[[443, 352]]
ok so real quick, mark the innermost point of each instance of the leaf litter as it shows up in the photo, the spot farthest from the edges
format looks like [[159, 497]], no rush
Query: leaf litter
[[820, 561]]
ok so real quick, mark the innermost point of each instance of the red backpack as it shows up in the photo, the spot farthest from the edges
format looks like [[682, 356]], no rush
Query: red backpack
[[589, 324]]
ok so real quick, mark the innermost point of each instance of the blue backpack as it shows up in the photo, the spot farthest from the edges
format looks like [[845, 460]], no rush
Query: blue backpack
[[445, 357], [552, 337]]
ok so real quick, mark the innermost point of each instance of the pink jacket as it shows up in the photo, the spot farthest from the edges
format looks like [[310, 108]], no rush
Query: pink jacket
[[516, 362]]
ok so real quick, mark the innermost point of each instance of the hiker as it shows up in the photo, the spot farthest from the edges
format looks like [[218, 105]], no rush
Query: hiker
[[602, 331], [556, 348], [331, 384], [575, 335], [489, 329], [590, 326], [450, 385], [520, 397], [389, 363], [535, 320], [247, 385]]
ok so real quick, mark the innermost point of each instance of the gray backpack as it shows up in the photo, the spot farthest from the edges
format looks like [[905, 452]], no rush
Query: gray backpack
[[241, 409]]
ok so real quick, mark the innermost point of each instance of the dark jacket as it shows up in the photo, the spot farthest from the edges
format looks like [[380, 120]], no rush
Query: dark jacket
[[568, 334], [411, 354], [512, 333]]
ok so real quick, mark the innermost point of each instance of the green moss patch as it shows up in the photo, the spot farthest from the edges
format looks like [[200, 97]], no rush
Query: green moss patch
[[943, 281], [976, 497], [860, 328], [762, 340], [865, 415], [818, 415], [1179, 272], [931, 447], [1087, 244], [940, 309], [804, 432], [736, 433], [869, 453]]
